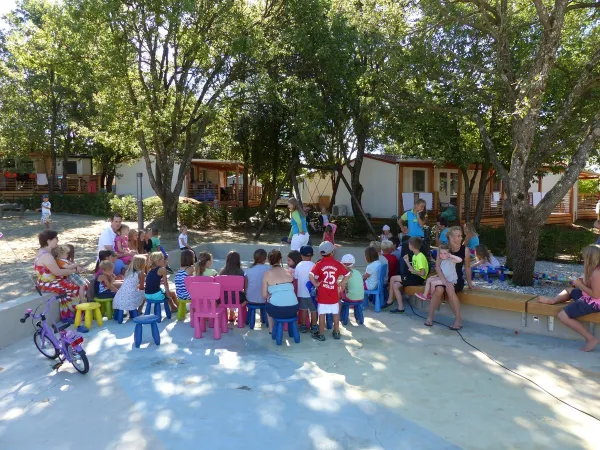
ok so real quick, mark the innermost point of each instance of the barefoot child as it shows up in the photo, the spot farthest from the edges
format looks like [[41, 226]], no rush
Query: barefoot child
[[324, 276], [585, 294], [46, 209], [448, 265], [122, 245], [301, 274]]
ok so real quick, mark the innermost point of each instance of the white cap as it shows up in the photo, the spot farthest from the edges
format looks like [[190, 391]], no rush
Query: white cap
[[348, 260], [326, 248], [386, 228]]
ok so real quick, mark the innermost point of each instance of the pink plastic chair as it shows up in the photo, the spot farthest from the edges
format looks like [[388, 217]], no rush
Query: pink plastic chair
[[231, 286], [204, 303], [197, 279]]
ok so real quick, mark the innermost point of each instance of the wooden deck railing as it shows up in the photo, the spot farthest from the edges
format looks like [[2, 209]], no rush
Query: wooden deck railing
[[586, 205], [76, 184], [492, 206], [209, 193]]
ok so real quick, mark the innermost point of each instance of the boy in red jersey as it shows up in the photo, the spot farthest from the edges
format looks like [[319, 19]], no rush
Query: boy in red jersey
[[324, 276]]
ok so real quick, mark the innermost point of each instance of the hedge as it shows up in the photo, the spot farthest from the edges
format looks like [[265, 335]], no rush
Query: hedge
[[90, 204]]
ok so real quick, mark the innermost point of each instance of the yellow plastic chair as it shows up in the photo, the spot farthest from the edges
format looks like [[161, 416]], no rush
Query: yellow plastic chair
[[89, 309]]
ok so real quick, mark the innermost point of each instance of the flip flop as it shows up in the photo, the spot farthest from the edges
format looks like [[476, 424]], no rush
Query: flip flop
[[456, 328], [428, 324]]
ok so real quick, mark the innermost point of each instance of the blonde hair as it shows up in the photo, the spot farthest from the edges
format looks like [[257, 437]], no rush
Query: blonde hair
[[470, 228], [591, 261], [454, 229], [138, 264], [61, 251], [154, 258], [106, 265], [387, 246], [294, 202], [122, 228], [376, 245]]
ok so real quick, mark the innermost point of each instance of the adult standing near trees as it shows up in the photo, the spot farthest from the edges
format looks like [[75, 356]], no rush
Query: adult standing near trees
[[298, 237], [457, 249], [109, 234], [52, 278]]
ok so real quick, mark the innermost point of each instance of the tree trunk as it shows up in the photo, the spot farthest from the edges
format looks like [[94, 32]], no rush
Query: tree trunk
[[522, 239], [110, 178], [483, 181], [66, 152], [245, 178], [336, 185], [467, 195], [170, 204]]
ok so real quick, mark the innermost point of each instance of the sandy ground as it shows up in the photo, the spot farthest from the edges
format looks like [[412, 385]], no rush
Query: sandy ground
[[389, 384], [20, 237]]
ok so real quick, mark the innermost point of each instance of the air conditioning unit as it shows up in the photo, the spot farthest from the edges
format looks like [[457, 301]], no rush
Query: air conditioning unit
[[340, 210]]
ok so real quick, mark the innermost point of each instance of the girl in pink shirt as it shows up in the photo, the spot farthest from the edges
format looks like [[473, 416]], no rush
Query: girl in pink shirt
[[585, 294], [122, 245]]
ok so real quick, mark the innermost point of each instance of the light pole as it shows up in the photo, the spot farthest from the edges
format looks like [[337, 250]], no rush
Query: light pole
[[140, 203]]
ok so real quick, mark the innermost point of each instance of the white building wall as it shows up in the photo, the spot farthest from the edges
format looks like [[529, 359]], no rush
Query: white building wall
[[314, 186], [380, 184], [548, 182], [126, 179]]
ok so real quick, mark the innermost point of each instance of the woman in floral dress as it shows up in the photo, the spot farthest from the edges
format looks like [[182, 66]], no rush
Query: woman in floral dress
[[52, 278]]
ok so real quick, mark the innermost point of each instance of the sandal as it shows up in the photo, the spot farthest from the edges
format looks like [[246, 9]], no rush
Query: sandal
[[456, 328], [336, 334], [428, 324], [397, 311]]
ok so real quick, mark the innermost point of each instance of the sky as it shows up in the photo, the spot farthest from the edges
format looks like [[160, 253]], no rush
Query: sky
[[5, 7]]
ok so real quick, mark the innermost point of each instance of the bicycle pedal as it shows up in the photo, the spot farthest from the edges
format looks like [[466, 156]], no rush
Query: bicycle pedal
[[57, 366]]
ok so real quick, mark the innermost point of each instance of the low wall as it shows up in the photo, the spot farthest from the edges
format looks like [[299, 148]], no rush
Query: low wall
[[11, 329], [521, 322]]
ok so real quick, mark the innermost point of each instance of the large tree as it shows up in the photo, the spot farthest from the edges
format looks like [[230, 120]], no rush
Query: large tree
[[177, 60], [542, 66]]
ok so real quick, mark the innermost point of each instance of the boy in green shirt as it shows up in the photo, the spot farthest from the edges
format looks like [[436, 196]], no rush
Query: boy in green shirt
[[418, 270], [355, 289]]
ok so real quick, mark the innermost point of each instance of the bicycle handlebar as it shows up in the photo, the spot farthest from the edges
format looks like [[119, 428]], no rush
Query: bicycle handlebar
[[48, 303]]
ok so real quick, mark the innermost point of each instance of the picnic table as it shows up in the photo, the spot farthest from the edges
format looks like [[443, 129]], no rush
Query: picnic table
[[11, 207]]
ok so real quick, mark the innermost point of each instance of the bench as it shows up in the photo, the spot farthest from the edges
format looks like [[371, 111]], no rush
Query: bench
[[488, 298], [11, 207], [551, 311]]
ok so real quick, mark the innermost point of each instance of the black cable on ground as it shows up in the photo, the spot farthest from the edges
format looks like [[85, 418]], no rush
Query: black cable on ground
[[506, 368]]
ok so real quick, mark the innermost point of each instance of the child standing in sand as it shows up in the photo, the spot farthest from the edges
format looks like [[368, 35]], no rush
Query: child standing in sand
[[585, 294], [46, 209]]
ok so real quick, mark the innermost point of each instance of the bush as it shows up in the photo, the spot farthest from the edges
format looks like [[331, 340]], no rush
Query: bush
[[126, 206], [555, 241], [91, 204]]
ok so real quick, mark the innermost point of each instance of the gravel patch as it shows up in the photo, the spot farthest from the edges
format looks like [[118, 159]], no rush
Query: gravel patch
[[542, 287]]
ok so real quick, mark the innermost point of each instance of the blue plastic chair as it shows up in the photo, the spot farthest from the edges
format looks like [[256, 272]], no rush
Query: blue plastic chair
[[157, 308], [144, 320], [486, 273], [118, 315], [345, 312], [292, 329], [379, 293], [251, 316]]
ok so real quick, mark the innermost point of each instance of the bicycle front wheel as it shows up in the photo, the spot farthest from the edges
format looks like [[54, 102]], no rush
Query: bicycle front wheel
[[79, 360], [45, 346]]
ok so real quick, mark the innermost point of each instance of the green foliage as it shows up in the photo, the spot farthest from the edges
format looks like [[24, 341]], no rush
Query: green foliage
[[98, 204], [556, 242], [588, 186]]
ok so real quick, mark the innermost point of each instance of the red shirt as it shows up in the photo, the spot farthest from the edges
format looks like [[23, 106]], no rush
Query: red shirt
[[327, 271], [392, 265]]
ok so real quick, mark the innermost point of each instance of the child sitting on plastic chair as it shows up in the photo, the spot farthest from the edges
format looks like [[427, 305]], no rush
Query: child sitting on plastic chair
[[355, 289], [156, 275]]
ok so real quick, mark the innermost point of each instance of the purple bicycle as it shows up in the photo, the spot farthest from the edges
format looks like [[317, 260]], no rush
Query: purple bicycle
[[57, 342]]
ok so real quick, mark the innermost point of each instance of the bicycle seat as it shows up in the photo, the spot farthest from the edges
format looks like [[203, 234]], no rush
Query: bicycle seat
[[61, 327]]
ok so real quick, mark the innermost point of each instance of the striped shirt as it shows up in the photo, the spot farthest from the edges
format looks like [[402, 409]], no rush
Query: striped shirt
[[180, 288]]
